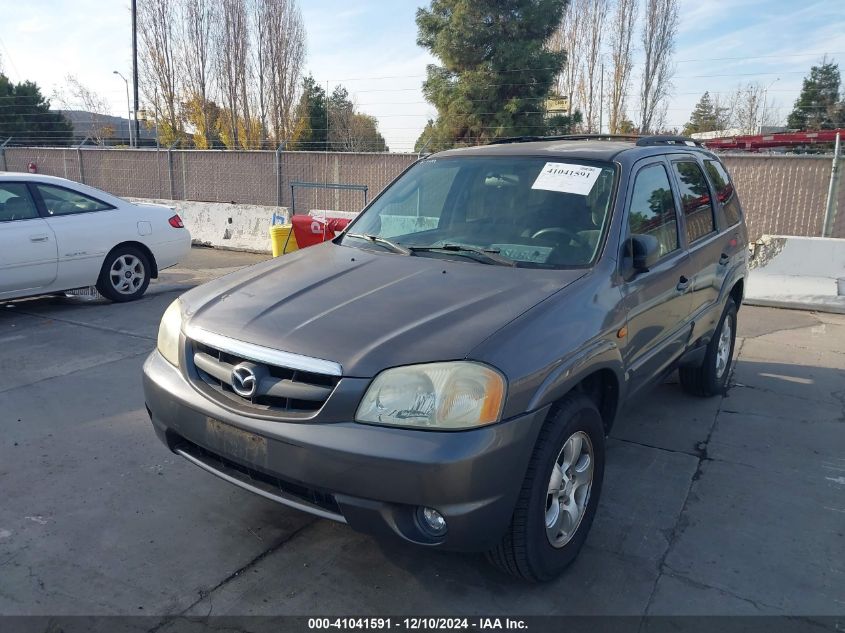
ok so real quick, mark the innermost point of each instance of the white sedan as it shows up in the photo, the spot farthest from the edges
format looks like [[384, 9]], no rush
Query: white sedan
[[56, 235]]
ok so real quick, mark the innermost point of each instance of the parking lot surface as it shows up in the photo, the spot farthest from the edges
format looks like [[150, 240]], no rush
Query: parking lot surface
[[728, 505]]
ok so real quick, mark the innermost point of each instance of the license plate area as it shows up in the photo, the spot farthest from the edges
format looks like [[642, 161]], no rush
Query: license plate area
[[236, 444]]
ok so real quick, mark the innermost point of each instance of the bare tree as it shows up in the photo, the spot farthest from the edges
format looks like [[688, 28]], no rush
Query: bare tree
[[284, 53], [621, 61], [77, 96], [568, 37], [199, 24], [160, 65], [750, 108], [660, 26], [232, 62], [589, 90]]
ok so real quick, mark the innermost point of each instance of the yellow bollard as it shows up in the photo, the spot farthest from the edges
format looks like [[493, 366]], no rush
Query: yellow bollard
[[283, 239]]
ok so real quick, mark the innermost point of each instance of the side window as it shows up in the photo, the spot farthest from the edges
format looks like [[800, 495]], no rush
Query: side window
[[16, 203], [725, 193], [61, 201], [653, 208], [695, 198]]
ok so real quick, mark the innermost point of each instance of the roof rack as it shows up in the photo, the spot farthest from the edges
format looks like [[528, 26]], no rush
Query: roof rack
[[667, 139], [641, 141]]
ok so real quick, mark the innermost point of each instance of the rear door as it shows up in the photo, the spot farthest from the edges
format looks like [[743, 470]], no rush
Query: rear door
[[27, 244], [657, 301], [701, 233]]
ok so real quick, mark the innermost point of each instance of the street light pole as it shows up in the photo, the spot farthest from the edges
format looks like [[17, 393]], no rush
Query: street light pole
[[128, 107], [763, 109]]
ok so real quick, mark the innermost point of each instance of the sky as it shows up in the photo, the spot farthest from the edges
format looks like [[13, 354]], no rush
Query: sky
[[370, 47]]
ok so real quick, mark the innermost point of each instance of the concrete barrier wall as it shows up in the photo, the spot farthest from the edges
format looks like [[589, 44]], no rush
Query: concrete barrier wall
[[797, 272], [240, 227]]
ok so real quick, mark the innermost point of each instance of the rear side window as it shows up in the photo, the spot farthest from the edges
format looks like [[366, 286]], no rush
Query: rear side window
[[16, 203], [61, 201], [725, 193], [653, 208], [695, 198]]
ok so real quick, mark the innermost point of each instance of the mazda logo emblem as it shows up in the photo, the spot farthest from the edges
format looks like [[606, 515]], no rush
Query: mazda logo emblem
[[244, 380]]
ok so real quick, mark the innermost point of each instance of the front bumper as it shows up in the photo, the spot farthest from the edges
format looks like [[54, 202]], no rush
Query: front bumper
[[373, 478]]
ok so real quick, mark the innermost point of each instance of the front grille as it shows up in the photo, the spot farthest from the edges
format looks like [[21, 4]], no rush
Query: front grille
[[278, 389]]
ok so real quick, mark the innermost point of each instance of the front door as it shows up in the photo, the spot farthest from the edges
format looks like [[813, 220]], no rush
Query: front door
[[28, 254], [657, 301]]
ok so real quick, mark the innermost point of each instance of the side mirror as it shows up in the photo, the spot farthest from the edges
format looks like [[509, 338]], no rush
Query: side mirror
[[644, 251]]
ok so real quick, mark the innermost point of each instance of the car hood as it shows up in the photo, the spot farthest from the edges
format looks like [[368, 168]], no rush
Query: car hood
[[369, 310]]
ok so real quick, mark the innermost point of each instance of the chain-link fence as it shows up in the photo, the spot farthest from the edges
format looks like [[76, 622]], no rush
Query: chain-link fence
[[781, 194]]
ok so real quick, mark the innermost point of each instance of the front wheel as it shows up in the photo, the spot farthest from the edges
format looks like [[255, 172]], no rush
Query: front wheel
[[125, 274], [711, 377], [559, 496]]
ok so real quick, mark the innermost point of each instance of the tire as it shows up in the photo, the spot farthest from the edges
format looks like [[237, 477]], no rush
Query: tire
[[125, 274], [711, 377], [526, 551]]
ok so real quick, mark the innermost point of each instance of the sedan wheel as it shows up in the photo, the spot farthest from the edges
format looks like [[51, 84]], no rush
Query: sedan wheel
[[125, 274]]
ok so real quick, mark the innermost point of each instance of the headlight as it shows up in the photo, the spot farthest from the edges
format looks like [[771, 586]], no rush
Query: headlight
[[168, 332], [454, 395]]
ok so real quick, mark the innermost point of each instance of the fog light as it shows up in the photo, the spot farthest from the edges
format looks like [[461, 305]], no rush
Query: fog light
[[432, 521]]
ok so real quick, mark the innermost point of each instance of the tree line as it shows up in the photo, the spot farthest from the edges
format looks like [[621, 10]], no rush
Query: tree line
[[819, 106], [230, 74], [535, 67]]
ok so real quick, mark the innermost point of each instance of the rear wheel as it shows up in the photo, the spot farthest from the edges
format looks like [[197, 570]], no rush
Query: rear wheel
[[711, 377], [559, 496], [125, 274]]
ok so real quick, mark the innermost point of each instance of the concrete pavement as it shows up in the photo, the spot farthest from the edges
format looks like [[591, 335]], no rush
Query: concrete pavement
[[729, 505]]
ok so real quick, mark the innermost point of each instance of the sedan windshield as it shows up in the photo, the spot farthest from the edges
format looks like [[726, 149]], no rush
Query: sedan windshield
[[526, 212]]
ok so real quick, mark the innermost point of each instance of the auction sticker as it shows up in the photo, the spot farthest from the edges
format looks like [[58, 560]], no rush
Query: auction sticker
[[567, 178]]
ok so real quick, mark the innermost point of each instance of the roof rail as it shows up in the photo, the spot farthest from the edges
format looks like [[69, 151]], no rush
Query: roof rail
[[565, 137], [668, 139]]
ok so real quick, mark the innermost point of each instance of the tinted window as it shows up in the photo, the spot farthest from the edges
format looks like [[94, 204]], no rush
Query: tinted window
[[695, 198], [725, 193], [537, 212], [653, 208], [16, 203], [61, 201]]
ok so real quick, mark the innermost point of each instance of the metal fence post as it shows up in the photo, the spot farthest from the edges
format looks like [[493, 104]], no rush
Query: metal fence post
[[278, 166], [832, 193], [3, 153], [170, 168], [79, 159]]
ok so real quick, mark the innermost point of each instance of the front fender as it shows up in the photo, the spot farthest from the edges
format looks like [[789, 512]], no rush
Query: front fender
[[597, 356]]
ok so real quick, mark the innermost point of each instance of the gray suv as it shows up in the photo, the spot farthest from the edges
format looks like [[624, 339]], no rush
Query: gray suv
[[447, 369]]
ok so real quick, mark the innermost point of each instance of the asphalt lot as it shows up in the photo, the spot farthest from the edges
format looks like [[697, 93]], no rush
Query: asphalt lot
[[730, 505]]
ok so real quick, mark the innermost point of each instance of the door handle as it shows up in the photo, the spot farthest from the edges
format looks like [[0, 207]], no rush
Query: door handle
[[38, 238], [724, 259], [683, 284]]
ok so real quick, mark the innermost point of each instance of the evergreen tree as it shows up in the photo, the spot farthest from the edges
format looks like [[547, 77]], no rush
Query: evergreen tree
[[26, 116], [818, 106], [707, 116], [310, 132], [496, 70]]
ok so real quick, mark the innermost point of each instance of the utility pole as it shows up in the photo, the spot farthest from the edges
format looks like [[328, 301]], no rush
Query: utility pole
[[135, 69], [601, 98], [833, 190]]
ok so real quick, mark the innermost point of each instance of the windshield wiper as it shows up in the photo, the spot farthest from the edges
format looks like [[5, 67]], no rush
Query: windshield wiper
[[486, 255], [375, 239]]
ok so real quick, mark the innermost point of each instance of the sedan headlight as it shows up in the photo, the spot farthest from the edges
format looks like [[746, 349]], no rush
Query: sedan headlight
[[168, 332], [455, 395]]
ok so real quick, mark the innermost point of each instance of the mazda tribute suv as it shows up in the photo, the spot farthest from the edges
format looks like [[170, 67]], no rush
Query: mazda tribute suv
[[446, 370]]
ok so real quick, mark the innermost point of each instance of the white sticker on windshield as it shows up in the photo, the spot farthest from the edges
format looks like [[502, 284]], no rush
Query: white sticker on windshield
[[567, 178]]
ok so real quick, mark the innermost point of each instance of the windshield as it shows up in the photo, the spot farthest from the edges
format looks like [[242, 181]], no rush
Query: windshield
[[529, 212]]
